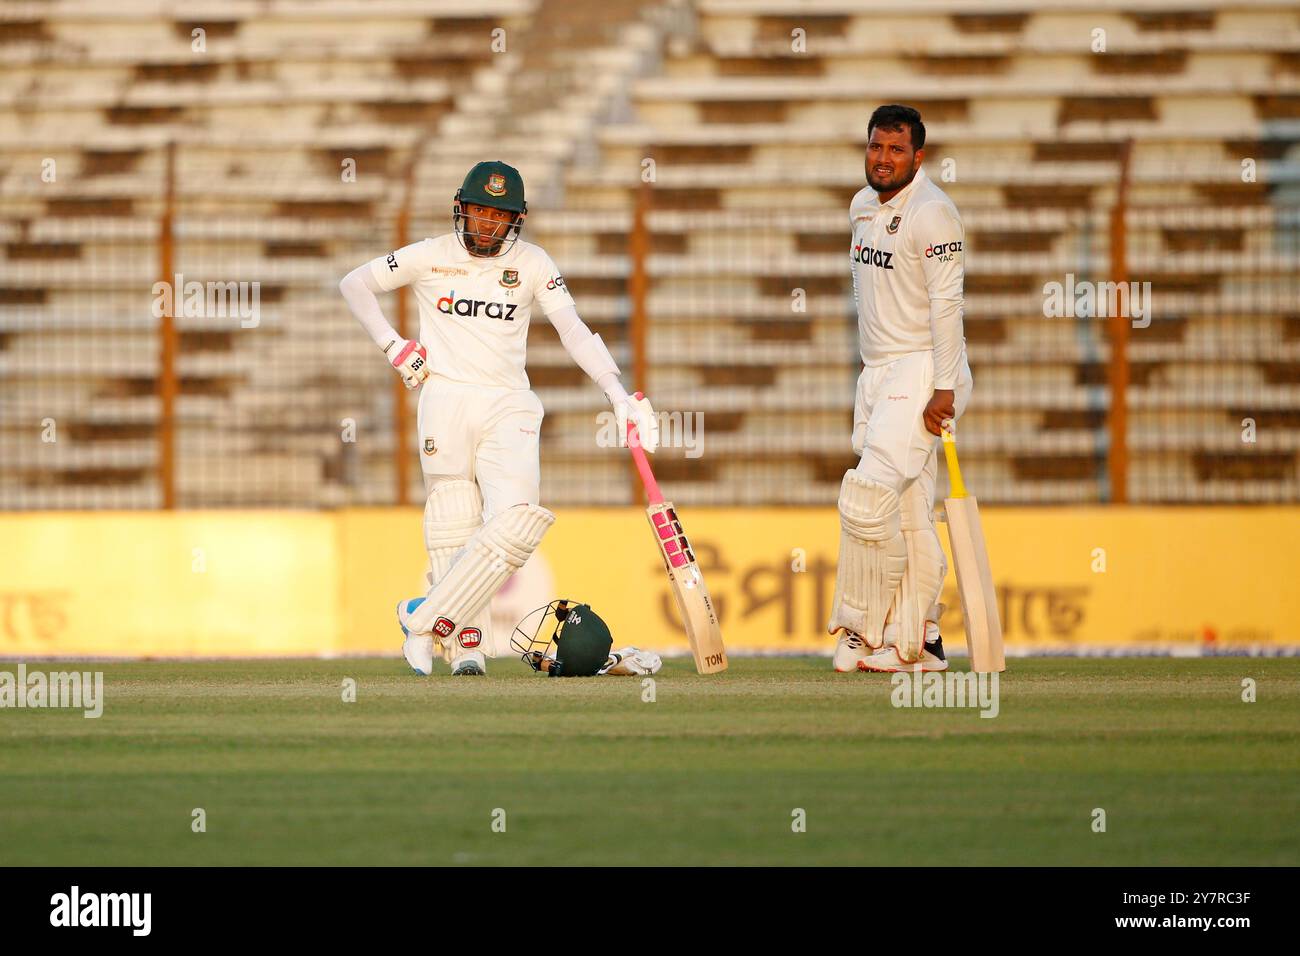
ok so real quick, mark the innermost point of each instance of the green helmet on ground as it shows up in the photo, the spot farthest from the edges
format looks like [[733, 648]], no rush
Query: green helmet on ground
[[581, 640]]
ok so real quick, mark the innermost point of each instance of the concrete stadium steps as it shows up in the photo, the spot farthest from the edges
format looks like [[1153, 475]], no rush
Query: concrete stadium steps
[[86, 93], [757, 151], [330, 81], [142, 495], [1024, 75], [823, 178], [1019, 18], [939, 47], [635, 134]]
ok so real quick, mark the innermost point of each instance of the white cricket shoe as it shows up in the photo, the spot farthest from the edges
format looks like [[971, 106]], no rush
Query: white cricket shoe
[[886, 660], [850, 651], [417, 648], [471, 663], [418, 652]]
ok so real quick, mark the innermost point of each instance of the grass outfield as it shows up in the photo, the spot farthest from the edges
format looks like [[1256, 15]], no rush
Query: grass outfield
[[709, 773]]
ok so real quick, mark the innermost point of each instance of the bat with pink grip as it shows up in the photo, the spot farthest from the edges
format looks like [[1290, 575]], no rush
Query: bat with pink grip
[[642, 464]]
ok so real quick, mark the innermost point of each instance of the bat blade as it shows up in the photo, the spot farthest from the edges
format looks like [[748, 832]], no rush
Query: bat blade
[[698, 617], [979, 603]]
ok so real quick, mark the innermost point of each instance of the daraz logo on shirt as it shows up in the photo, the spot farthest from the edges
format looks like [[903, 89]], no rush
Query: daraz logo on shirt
[[473, 308], [943, 251], [872, 257]]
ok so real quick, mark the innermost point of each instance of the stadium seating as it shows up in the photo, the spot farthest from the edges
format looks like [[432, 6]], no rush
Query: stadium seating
[[756, 124], [301, 130], [267, 108]]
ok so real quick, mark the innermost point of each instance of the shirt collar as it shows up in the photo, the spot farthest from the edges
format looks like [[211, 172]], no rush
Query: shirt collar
[[901, 197], [460, 254]]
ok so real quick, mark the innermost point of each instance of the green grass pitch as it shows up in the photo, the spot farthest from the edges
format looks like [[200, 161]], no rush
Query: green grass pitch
[[711, 772]]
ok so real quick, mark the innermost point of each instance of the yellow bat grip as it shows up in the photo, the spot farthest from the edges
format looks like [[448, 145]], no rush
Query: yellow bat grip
[[958, 489]]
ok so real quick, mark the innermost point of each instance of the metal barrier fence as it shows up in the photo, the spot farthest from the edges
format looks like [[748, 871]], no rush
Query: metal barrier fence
[[209, 360]]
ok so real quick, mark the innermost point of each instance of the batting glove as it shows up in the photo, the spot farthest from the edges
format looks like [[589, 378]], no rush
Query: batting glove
[[639, 412], [411, 359]]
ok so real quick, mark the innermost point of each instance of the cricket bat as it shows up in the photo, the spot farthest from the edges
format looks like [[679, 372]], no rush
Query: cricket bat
[[979, 602], [684, 575]]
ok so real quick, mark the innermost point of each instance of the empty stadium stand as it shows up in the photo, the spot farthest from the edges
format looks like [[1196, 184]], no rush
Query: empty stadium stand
[[302, 131], [756, 124]]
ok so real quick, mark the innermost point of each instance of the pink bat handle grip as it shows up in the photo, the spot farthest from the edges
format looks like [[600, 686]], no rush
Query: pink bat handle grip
[[642, 465]]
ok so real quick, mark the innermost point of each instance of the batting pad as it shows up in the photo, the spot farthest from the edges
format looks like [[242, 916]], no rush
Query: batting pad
[[453, 514], [873, 557], [922, 582], [497, 551]]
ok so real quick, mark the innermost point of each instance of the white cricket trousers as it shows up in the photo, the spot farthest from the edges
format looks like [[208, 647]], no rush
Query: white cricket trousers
[[888, 428], [482, 433]]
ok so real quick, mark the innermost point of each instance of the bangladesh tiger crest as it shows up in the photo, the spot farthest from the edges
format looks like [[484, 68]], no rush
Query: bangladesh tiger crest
[[429, 447], [510, 278], [893, 225], [496, 185]]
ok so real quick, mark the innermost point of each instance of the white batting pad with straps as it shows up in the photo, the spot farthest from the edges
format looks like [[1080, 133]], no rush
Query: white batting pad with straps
[[873, 556], [493, 554], [918, 593], [453, 514]]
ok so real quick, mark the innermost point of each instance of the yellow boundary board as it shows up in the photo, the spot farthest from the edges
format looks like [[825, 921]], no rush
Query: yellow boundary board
[[264, 583]]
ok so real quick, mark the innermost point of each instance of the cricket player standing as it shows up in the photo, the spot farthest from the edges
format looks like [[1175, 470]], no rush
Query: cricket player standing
[[907, 281], [478, 419]]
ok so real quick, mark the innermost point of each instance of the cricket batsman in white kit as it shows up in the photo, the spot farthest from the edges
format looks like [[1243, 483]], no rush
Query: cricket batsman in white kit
[[907, 281], [478, 419]]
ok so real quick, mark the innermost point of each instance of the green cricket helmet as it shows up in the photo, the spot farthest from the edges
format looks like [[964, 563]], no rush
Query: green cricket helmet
[[578, 646], [492, 184]]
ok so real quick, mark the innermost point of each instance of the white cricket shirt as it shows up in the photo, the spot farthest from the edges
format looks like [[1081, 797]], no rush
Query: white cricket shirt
[[908, 272], [474, 312]]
